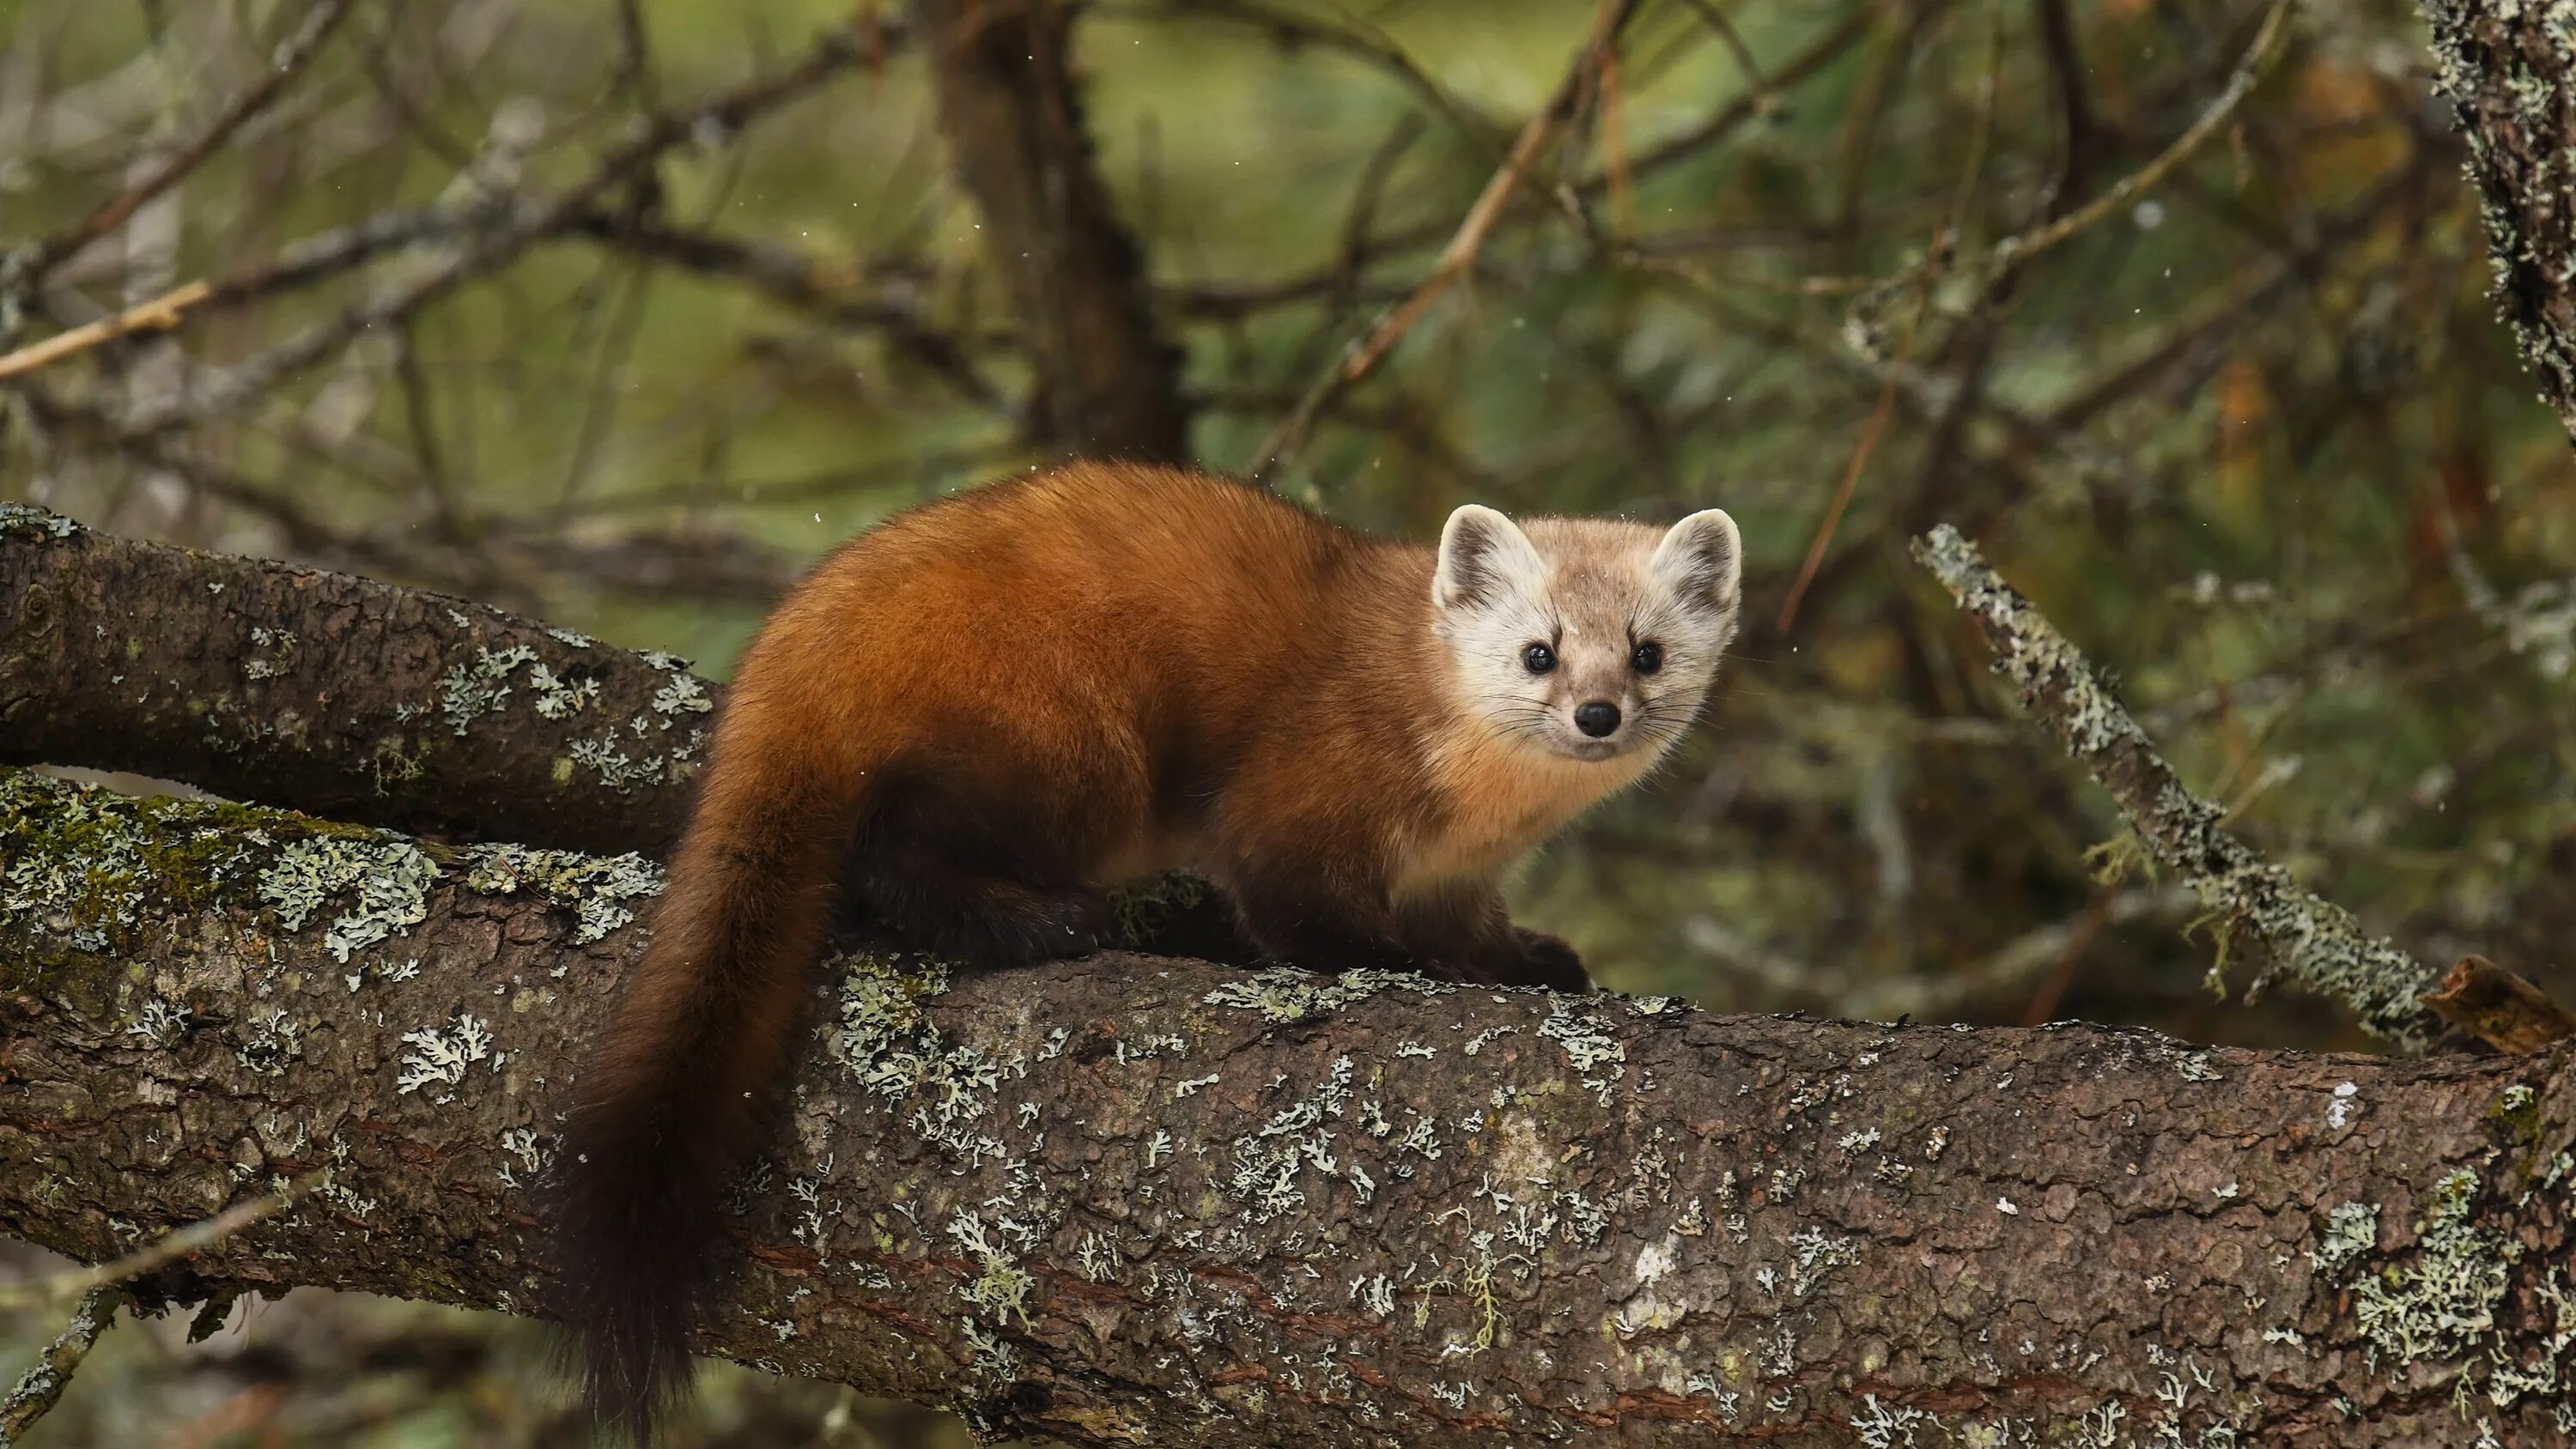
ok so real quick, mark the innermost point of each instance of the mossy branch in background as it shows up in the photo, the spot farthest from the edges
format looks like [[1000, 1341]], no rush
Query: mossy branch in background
[[2509, 73], [2304, 938], [42, 1386]]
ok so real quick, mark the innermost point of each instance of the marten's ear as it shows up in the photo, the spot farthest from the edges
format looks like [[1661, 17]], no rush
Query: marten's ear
[[1482, 556], [1701, 562]]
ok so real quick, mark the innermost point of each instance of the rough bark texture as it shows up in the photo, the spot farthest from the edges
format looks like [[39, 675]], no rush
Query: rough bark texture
[[1109, 381], [1148, 1200], [2509, 70], [337, 695]]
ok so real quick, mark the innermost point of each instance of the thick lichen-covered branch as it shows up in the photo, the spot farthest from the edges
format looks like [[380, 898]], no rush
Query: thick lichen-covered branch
[[2509, 71], [1144, 1200], [2303, 937], [334, 694]]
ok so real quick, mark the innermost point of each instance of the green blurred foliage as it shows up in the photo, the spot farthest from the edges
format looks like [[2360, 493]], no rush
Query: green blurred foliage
[[2253, 439]]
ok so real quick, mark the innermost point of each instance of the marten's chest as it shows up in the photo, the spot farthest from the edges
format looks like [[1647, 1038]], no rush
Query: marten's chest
[[1497, 800]]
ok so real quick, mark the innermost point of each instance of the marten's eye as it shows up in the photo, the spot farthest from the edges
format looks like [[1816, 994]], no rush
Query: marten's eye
[[1648, 657], [1538, 659]]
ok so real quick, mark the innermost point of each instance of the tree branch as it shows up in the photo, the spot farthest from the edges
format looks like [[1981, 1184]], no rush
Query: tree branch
[[2310, 941], [1109, 380], [1133, 1200], [2511, 80], [335, 694], [42, 1386], [42, 257]]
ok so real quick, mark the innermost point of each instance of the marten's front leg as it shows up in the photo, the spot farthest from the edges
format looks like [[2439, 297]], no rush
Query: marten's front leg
[[1303, 912], [1467, 934]]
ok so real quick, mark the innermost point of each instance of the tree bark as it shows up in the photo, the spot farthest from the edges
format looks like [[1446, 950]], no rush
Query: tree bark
[[336, 695], [2509, 71], [1134, 1199], [1109, 381]]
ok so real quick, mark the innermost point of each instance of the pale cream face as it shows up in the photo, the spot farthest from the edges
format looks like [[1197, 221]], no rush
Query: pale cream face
[[1590, 640]]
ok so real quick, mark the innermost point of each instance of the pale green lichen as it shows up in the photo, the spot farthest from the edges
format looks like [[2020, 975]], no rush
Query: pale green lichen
[[889, 1045], [82, 862], [683, 694], [1269, 1161], [1001, 1288], [438, 1056], [621, 771], [25, 520], [1815, 1254], [595, 888], [2442, 1303], [558, 698], [267, 1041], [1141, 909], [390, 878], [470, 691], [1286, 997], [2352, 1229]]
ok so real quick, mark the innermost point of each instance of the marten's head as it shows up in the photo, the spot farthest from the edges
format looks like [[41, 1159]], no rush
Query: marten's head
[[1588, 638]]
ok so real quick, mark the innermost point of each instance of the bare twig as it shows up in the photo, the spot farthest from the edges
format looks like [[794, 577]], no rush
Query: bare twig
[[2019, 249], [495, 230], [1715, 19], [832, 292], [1361, 40], [1459, 257], [2266, 47], [1876, 427], [159, 314], [43, 1385], [2306, 939], [163, 1251], [1870, 432], [290, 59], [1237, 299]]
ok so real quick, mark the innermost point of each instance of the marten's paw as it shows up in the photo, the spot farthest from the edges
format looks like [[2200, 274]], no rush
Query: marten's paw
[[1030, 924], [992, 922], [1547, 961], [1533, 959]]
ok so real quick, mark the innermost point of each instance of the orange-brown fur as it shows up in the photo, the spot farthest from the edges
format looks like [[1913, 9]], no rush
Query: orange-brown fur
[[977, 717]]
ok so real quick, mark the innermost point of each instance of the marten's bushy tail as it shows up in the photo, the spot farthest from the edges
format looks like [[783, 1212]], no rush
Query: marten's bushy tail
[[667, 1107]]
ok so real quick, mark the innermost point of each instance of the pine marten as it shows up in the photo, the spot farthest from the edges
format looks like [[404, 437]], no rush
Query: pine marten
[[982, 714]]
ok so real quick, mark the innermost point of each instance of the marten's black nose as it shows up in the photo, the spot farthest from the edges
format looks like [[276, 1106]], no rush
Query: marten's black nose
[[1597, 719]]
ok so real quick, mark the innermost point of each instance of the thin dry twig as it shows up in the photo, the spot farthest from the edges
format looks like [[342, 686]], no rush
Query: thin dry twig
[[1879, 413], [2305, 938], [493, 232], [1715, 19], [2020, 248], [1459, 257], [163, 1251], [1870, 432], [159, 314], [112, 213], [43, 1385], [2266, 47]]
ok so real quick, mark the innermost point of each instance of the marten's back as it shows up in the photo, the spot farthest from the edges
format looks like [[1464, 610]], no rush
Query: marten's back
[[1192, 606]]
